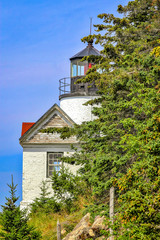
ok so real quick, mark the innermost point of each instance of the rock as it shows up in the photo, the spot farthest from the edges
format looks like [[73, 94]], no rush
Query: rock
[[102, 238], [80, 230], [84, 230], [99, 223], [91, 233]]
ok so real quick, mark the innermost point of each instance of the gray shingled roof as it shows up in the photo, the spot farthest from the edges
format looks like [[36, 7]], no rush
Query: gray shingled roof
[[89, 50]]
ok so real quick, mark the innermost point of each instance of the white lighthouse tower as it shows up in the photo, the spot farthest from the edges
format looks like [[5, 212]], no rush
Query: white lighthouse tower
[[73, 95], [42, 152]]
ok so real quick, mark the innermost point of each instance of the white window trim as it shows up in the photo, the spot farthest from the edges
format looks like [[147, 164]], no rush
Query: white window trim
[[55, 162]]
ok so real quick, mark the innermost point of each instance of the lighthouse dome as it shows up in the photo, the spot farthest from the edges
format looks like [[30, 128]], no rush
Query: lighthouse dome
[[74, 95], [87, 51]]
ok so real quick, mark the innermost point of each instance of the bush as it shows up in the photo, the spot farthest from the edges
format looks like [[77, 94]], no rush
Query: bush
[[67, 188]]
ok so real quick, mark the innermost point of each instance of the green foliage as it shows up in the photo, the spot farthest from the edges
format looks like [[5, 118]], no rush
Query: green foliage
[[47, 223], [122, 147], [45, 203], [67, 188], [66, 131], [68, 227], [14, 222], [97, 208]]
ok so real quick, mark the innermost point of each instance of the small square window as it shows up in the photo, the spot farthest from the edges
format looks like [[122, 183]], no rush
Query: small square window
[[53, 163]]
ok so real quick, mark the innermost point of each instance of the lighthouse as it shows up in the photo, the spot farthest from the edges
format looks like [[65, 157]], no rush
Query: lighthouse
[[42, 152], [74, 95]]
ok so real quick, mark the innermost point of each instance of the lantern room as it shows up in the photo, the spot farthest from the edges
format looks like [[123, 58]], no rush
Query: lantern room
[[78, 70], [79, 67]]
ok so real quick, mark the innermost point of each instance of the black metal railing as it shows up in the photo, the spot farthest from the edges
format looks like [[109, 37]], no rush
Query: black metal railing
[[69, 85], [64, 85]]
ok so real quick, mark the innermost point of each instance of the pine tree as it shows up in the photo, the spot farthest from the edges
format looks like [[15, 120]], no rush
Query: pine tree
[[45, 203], [122, 147], [14, 222]]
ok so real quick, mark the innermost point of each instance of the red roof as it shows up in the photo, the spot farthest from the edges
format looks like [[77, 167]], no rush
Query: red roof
[[26, 126]]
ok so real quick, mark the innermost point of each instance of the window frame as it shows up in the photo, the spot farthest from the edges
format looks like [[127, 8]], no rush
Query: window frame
[[48, 175]]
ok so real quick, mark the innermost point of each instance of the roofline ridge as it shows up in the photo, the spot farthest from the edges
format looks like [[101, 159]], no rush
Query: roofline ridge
[[78, 53], [43, 117], [97, 50], [88, 49]]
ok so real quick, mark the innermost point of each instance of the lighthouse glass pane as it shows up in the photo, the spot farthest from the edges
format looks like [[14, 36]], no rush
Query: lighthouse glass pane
[[85, 67], [53, 163], [74, 70], [82, 68], [79, 70]]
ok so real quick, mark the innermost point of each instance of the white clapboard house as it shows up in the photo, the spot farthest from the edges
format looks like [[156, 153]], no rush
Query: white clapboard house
[[42, 151]]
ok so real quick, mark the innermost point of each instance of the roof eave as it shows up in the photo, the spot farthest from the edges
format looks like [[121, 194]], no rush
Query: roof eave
[[38, 122]]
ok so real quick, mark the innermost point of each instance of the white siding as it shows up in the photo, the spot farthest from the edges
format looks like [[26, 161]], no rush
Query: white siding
[[75, 109], [35, 170]]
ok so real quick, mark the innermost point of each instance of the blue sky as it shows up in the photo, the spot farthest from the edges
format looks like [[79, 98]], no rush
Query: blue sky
[[37, 38]]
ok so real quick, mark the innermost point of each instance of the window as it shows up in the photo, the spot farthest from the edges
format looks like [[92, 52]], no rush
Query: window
[[53, 163], [74, 70], [78, 68]]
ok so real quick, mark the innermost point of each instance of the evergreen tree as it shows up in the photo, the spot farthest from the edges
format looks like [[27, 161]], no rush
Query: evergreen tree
[[45, 203], [14, 222], [122, 147]]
